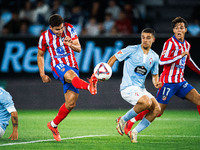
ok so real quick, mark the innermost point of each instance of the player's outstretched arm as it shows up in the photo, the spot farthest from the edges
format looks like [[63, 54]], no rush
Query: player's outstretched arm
[[111, 61], [14, 134], [40, 61]]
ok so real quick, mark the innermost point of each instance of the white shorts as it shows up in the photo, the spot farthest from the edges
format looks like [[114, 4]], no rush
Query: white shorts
[[1, 132], [133, 93]]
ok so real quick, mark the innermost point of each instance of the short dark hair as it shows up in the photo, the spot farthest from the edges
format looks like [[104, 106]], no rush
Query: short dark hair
[[149, 30], [55, 20], [179, 20]]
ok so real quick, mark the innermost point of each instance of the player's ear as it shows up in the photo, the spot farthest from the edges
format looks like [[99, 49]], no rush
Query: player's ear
[[154, 39], [50, 27]]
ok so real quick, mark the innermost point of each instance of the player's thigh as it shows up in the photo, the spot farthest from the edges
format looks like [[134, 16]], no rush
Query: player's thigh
[[65, 73], [69, 75], [193, 96], [133, 94], [71, 98]]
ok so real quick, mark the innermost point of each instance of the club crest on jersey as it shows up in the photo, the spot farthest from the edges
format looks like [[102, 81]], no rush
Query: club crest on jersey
[[150, 61]]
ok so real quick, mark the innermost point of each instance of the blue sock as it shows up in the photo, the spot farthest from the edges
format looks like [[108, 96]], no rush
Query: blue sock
[[129, 115], [142, 125]]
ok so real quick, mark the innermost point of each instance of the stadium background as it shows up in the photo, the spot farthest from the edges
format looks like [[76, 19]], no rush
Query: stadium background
[[18, 67]]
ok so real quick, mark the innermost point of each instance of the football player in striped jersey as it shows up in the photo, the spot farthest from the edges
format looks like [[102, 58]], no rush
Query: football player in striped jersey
[[61, 41]]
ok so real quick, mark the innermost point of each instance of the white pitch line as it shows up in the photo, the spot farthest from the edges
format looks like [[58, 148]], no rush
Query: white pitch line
[[38, 141]]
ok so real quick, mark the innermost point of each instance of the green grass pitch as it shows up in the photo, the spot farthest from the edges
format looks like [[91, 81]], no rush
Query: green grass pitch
[[96, 129]]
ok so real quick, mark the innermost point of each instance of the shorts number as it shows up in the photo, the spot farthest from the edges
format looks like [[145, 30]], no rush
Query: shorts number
[[60, 66], [166, 91]]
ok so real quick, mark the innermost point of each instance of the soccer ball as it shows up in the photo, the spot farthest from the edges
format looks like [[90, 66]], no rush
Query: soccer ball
[[102, 71]]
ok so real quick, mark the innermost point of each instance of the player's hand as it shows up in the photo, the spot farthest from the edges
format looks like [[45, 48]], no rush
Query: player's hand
[[45, 79], [68, 41], [184, 53], [158, 85], [14, 136]]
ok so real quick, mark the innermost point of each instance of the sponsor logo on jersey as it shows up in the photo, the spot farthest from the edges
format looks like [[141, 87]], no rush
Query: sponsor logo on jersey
[[140, 70]]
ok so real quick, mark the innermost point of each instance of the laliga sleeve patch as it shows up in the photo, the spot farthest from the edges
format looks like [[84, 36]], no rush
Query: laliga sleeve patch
[[140, 70]]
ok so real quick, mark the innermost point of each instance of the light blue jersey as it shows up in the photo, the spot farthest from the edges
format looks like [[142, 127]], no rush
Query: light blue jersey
[[6, 104], [136, 66]]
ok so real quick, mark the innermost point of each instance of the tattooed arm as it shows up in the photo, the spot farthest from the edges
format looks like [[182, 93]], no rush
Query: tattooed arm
[[14, 117]]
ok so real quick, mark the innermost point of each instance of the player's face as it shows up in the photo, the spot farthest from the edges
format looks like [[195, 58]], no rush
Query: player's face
[[147, 40], [58, 30], [179, 31]]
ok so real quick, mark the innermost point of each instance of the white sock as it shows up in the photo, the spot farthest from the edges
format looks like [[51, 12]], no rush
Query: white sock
[[133, 120], [53, 124]]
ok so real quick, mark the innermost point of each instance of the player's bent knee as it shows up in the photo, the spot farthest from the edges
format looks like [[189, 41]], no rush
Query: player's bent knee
[[71, 105], [148, 102]]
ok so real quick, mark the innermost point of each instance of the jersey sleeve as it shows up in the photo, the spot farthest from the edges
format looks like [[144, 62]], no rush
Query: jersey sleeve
[[167, 54], [6, 100], [155, 68], [123, 54], [42, 43], [191, 64]]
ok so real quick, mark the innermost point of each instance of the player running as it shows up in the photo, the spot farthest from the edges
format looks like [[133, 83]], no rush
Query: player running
[[174, 57], [7, 111], [61, 41], [139, 60]]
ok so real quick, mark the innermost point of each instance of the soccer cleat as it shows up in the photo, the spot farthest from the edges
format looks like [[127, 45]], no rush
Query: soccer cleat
[[93, 85], [55, 132], [128, 126], [120, 125], [133, 136]]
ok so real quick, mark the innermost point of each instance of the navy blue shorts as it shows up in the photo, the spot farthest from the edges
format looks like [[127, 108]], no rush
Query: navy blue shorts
[[169, 89], [59, 72]]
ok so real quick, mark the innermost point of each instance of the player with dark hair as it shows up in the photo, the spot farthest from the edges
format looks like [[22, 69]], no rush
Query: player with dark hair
[[61, 41], [174, 57], [7, 111], [139, 60]]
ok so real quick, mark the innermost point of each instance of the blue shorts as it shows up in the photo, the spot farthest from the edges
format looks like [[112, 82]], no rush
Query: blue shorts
[[169, 89], [59, 71]]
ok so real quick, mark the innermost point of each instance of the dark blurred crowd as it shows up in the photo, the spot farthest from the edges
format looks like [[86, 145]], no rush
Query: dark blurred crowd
[[89, 17]]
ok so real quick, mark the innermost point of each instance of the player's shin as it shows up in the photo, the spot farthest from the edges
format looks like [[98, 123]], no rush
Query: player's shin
[[62, 113]]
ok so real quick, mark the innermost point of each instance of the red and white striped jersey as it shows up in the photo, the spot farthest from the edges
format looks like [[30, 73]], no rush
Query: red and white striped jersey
[[59, 52], [174, 64]]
